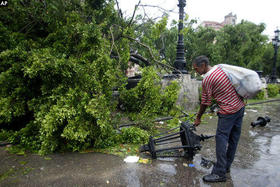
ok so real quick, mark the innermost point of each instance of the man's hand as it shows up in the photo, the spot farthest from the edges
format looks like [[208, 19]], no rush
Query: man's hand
[[197, 122]]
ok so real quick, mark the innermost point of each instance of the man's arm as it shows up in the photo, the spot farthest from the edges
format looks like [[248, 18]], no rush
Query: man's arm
[[199, 114]]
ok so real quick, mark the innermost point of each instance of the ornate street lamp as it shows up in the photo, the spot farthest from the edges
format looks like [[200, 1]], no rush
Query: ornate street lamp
[[180, 62], [276, 44]]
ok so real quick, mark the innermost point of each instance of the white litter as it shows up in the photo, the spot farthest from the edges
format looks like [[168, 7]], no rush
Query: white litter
[[252, 133], [252, 110], [131, 159]]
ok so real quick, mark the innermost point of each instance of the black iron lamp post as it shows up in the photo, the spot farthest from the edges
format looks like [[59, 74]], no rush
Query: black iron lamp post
[[180, 62], [276, 44]]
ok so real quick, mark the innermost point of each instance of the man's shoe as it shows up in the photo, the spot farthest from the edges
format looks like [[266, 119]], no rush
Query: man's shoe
[[214, 178], [228, 170]]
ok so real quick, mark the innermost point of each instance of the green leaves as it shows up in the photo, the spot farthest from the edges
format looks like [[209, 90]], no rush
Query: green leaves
[[57, 74], [149, 99], [242, 44], [134, 135], [272, 90]]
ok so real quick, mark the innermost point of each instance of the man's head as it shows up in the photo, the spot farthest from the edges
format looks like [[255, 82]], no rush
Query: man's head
[[200, 64]]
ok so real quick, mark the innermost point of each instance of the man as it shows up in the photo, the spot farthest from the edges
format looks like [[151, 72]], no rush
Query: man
[[216, 84]]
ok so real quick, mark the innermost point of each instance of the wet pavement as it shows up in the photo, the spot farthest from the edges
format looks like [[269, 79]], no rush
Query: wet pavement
[[256, 162]]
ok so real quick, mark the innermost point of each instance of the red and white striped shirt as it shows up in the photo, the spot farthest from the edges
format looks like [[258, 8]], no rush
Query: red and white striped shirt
[[216, 84]]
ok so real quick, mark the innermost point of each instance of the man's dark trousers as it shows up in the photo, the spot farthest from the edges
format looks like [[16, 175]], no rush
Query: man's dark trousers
[[227, 137]]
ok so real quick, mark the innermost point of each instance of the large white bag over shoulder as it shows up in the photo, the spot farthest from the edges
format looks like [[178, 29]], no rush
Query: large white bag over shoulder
[[246, 82]]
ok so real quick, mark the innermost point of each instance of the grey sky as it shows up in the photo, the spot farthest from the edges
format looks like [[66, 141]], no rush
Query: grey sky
[[256, 11]]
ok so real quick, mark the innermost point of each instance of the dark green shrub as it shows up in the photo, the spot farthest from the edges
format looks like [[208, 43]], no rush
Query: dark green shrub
[[260, 95], [4, 135], [272, 90], [134, 135]]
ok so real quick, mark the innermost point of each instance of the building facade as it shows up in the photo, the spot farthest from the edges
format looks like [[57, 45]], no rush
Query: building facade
[[230, 19]]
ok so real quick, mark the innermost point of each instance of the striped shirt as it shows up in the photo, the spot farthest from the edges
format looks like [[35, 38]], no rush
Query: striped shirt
[[215, 84]]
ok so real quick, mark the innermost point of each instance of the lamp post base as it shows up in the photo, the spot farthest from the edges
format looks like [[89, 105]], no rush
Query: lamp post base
[[272, 79]]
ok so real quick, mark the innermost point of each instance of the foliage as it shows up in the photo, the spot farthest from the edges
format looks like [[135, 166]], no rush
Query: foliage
[[175, 122], [267, 59], [148, 98], [155, 38], [201, 42], [17, 149], [134, 135], [260, 95], [163, 40], [4, 134], [57, 75], [242, 44], [272, 90]]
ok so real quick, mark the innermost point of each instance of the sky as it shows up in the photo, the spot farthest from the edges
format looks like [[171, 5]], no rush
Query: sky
[[256, 11]]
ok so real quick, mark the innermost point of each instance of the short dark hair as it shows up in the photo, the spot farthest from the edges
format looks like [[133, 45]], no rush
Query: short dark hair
[[200, 60]]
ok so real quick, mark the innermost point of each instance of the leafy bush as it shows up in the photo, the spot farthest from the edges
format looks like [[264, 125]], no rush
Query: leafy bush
[[134, 135], [272, 90], [4, 135], [148, 99], [260, 95]]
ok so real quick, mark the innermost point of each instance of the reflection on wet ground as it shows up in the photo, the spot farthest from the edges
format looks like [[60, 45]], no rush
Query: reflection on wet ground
[[256, 162]]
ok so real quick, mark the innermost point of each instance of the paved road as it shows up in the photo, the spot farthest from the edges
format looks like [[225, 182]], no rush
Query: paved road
[[256, 162]]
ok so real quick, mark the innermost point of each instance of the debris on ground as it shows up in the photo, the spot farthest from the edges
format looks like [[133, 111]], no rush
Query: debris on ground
[[131, 159]]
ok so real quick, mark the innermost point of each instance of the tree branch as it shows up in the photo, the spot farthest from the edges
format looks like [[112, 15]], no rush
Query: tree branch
[[142, 59], [151, 53], [119, 10], [163, 9], [113, 44], [135, 8]]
